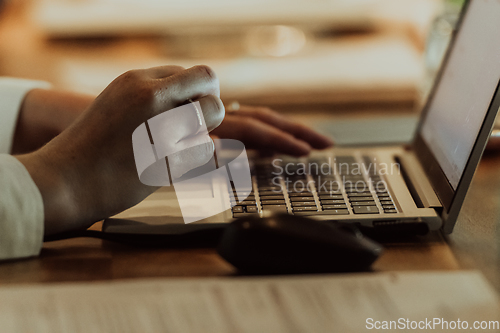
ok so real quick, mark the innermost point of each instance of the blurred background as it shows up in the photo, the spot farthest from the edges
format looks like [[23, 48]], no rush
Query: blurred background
[[294, 55]]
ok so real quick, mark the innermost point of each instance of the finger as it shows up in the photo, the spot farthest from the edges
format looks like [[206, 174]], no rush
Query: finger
[[212, 111], [192, 83], [300, 131], [195, 140], [162, 71], [175, 130], [257, 134], [188, 159]]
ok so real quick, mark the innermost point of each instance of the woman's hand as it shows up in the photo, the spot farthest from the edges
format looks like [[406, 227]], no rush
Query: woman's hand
[[263, 129], [88, 172]]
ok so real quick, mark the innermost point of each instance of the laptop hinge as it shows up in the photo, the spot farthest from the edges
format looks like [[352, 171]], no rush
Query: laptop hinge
[[420, 188]]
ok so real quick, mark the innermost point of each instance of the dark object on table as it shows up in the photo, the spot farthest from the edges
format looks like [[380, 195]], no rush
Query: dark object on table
[[283, 244]]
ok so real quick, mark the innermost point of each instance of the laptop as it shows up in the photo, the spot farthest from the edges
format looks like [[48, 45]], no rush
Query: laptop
[[413, 188]]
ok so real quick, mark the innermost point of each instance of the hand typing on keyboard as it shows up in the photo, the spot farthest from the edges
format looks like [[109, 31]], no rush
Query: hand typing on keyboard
[[262, 128], [88, 172]]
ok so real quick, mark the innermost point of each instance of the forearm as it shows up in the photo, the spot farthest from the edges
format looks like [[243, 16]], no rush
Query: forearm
[[43, 115]]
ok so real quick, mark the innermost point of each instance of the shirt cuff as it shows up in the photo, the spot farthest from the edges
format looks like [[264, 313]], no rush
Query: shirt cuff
[[21, 211], [12, 93]]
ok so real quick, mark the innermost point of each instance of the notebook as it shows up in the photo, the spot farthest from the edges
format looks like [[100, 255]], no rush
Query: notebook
[[409, 188]]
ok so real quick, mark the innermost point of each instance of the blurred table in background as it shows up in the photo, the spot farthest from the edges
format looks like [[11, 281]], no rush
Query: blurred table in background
[[374, 57]]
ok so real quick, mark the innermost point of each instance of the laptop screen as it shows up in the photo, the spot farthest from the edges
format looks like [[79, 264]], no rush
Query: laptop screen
[[468, 82]]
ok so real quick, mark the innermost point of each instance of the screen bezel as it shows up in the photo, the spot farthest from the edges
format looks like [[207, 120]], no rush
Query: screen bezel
[[452, 199]]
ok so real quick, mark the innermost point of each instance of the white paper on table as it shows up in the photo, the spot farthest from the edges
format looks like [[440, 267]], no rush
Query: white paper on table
[[328, 303]]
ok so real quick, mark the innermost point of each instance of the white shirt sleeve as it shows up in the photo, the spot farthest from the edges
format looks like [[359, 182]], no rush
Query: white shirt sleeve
[[21, 204], [12, 92], [21, 211]]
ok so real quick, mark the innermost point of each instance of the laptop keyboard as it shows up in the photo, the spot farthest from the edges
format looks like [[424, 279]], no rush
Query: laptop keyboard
[[317, 186]]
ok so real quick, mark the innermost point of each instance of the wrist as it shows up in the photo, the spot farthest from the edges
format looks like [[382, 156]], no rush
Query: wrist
[[43, 115], [60, 210]]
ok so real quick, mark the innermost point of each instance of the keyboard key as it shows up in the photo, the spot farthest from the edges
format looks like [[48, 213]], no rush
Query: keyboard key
[[307, 213], [360, 189], [390, 211], [273, 202], [363, 203], [383, 195], [353, 179], [247, 202], [332, 202], [336, 206], [280, 208], [237, 209], [303, 204], [325, 176], [332, 196], [329, 193], [300, 194], [357, 194], [370, 198], [344, 159], [326, 184], [327, 181], [388, 207], [271, 197], [337, 211], [252, 209], [365, 209], [301, 199], [303, 209], [386, 202]]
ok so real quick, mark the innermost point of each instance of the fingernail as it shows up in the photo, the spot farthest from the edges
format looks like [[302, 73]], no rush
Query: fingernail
[[303, 148], [329, 141]]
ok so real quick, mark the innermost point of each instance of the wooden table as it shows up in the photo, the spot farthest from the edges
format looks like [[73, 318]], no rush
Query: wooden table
[[475, 243]]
